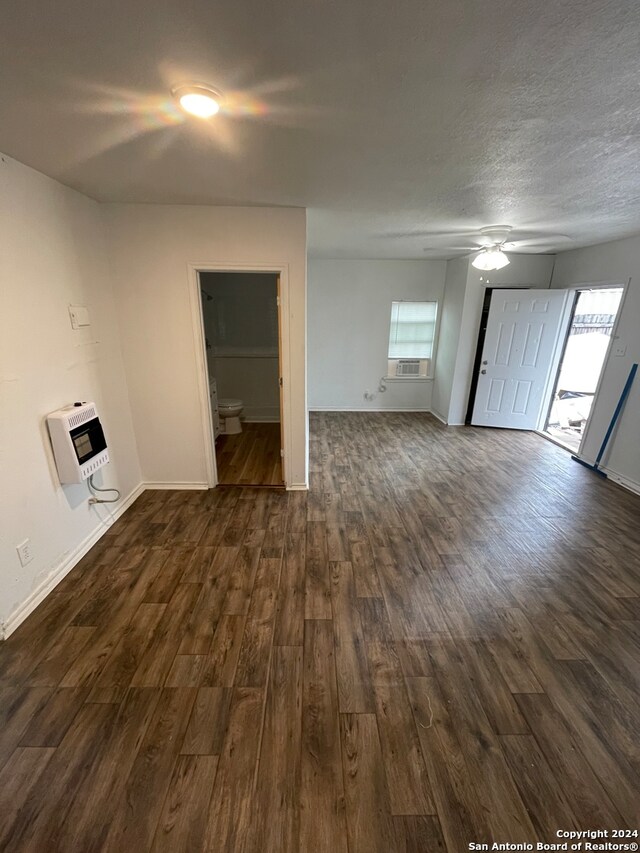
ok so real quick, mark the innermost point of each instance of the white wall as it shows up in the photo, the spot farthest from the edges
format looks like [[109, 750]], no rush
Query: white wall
[[612, 263], [242, 313], [151, 248], [52, 253], [522, 271], [252, 380], [348, 328]]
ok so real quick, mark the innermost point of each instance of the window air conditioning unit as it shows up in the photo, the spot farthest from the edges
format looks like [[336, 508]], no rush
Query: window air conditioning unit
[[408, 368]]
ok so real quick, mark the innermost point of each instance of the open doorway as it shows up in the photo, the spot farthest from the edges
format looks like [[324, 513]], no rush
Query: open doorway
[[241, 328], [585, 350]]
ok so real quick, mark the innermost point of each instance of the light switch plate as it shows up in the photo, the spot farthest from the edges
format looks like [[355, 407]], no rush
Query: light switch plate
[[79, 315], [619, 350]]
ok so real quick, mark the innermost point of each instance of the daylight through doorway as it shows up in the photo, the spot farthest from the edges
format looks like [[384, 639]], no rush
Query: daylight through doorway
[[585, 351]]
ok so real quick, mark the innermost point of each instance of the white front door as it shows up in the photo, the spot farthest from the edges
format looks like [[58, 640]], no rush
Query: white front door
[[520, 351]]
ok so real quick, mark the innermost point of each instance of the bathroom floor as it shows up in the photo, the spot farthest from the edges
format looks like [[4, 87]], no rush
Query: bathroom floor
[[251, 458]]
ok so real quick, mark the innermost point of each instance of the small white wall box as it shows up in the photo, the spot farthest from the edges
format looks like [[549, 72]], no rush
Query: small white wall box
[[78, 442], [79, 316]]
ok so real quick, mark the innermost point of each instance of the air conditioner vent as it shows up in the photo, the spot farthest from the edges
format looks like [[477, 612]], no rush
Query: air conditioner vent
[[408, 368]]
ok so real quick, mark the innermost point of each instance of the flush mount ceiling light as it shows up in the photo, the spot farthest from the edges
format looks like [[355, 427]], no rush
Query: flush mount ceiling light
[[491, 258], [198, 99]]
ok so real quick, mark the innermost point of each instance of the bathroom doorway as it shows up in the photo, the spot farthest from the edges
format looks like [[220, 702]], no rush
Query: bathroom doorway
[[242, 335]]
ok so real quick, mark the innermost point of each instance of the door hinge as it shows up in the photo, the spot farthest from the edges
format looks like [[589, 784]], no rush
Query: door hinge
[[282, 453], [278, 301], [280, 381]]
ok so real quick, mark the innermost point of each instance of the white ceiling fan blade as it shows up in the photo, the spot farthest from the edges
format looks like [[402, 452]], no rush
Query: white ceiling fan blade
[[469, 241], [459, 247], [433, 234], [537, 241]]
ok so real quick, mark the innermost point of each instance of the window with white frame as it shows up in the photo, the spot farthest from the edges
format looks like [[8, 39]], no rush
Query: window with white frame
[[412, 335]]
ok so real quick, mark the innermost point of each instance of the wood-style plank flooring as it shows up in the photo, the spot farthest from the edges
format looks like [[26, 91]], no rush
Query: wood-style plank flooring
[[251, 458], [438, 644]]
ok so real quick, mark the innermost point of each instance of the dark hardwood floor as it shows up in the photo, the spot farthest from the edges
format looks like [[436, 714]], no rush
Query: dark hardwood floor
[[438, 644], [251, 458]]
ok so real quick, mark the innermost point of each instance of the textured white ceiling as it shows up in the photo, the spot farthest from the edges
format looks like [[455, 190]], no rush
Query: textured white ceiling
[[384, 119]]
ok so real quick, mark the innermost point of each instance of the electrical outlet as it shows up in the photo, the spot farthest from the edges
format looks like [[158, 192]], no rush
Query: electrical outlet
[[24, 552]]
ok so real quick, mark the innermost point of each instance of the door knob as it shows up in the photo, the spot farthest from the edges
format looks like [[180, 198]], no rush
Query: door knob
[[485, 362], [483, 371]]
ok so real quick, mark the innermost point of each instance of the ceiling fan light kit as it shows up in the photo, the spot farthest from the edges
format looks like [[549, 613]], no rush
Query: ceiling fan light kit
[[491, 258]]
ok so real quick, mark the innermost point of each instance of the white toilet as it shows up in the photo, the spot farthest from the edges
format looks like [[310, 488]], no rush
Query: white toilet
[[230, 410]]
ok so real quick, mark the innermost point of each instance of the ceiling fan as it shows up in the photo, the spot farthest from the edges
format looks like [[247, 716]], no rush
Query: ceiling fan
[[491, 255], [492, 243]]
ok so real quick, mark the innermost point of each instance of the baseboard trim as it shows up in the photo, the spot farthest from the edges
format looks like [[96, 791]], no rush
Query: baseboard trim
[[625, 482], [368, 409], [258, 419], [298, 487], [439, 417], [175, 486], [38, 595]]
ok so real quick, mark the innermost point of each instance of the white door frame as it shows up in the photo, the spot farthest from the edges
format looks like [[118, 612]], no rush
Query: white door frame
[[197, 321], [560, 345]]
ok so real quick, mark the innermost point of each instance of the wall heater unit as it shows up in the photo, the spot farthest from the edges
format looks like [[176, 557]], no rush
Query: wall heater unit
[[78, 442]]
